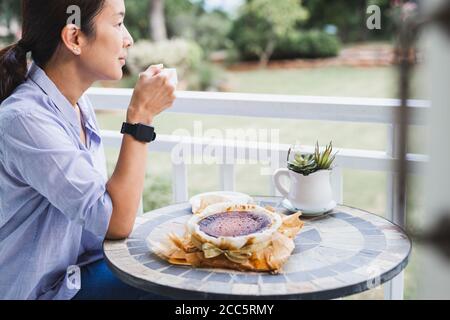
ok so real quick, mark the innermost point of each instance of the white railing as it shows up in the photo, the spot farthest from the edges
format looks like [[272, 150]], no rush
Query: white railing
[[361, 110]]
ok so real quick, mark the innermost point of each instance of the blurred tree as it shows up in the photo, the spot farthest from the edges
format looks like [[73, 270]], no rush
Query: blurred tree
[[262, 22], [349, 16], [189, 20], [209, 29], [181, 16], [136, 19], [212, 30], [158, 30], [10, 10]]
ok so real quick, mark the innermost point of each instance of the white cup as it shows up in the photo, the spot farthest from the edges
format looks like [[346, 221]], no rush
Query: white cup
[[172, 76], [310, 194]]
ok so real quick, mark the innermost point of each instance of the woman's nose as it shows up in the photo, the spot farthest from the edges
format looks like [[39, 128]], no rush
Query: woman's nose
[[128, 40]]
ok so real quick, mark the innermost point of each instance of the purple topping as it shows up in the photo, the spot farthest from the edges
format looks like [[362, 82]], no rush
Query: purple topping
[[233, 224]]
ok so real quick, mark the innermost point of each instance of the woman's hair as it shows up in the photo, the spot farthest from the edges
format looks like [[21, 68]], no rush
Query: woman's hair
[[42, 23]]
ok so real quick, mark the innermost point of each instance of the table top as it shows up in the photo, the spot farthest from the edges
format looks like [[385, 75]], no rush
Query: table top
[[340, 253]]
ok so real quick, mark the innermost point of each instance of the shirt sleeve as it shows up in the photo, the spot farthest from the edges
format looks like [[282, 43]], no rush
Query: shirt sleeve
[[40, 152]]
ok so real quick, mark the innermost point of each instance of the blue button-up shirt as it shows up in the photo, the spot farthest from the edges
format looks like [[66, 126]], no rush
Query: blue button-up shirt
[[54, 207]]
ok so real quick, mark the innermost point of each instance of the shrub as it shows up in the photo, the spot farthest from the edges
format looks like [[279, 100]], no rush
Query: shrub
[[206, 77], [299, 44], [307, 44], [186, 56], [6, 41], [157, 192], [178, 53]]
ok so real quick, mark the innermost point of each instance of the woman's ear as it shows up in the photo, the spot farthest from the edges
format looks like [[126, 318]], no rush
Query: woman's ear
[[72, 38]]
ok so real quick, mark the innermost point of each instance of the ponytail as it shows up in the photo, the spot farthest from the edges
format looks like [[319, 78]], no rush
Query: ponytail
[[13, 68]]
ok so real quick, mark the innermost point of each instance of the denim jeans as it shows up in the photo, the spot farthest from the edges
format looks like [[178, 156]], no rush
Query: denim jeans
[[99, 283]]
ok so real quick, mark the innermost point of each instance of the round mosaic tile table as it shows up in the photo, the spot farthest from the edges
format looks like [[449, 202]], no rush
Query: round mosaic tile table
[[340, 253]]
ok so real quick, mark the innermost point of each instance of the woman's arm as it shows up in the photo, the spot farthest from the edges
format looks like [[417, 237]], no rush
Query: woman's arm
[[151, 96]]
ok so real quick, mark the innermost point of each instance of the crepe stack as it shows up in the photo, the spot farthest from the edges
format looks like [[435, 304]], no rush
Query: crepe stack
[[243, 237]]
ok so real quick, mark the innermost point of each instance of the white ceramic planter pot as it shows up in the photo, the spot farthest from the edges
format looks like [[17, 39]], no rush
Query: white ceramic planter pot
[[310, 194]]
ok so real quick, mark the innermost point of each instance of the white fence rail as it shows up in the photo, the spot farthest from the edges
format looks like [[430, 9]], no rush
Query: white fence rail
[[361, 110], [273, 106]]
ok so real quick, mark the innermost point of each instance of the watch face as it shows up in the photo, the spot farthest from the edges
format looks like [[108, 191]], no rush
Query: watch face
[[145, 133]]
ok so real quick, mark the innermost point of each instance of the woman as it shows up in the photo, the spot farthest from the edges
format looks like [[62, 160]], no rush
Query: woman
[[56, 204]]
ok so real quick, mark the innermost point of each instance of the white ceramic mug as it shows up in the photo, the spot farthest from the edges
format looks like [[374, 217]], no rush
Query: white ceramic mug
[[311, 194], [172, 75]]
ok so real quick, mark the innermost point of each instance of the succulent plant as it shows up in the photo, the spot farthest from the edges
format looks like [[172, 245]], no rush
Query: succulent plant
[[303, 164], [306, 164], [324, 160]]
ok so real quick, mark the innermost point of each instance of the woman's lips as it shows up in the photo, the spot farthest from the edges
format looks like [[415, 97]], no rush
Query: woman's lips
[[123, 60]]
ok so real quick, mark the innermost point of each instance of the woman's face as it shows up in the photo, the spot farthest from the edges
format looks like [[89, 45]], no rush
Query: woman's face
[[104, 56]]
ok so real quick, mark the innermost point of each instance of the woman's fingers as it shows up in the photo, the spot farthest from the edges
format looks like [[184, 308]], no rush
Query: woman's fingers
[[153, 93], [152, 71], [155, 69], [156, 66]]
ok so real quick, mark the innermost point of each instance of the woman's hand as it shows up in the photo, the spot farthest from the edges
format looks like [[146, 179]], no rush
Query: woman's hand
[[152, 95]]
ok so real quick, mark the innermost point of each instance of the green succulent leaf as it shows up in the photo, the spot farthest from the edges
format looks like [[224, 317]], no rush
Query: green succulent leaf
[[309, 163]]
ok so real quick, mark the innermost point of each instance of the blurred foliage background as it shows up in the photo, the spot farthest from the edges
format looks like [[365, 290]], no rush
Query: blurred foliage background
[[196, 34]]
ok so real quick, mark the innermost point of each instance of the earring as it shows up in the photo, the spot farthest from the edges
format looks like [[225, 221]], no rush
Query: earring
[[77, 50]]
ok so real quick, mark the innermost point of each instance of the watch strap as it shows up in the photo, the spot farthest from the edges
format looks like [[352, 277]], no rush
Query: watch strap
[[139, 131]]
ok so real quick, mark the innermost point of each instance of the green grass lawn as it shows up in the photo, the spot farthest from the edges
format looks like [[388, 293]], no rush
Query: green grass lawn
[[330, 81], [362, 189]]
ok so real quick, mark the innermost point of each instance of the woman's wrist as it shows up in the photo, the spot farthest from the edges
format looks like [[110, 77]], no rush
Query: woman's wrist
[[136, 116]]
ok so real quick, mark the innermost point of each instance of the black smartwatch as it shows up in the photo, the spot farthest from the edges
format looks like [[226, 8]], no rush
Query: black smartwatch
[[139, 131]]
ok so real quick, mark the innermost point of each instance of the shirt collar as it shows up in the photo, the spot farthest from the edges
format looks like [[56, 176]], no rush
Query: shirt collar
[[38, 76], [86, 111]]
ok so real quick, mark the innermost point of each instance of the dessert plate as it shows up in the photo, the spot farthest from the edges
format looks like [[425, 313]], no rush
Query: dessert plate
[[307, 213]]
